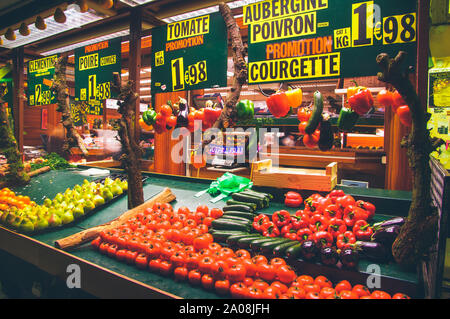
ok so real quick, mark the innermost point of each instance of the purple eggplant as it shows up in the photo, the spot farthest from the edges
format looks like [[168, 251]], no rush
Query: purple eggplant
[[349, 258], [397, 221], [329, 256], [386, 235], [309, 250], [372, 250]]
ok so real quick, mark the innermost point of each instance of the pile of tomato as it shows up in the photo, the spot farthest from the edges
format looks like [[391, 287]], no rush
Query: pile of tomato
[[334, 220], [9, 199], [177, 243]]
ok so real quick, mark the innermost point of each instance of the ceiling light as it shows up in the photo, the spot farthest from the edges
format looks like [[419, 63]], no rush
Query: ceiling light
[[134, 3], [74, 19]]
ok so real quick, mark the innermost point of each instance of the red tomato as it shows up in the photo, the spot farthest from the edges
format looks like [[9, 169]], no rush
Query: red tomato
[[285, 274], [216, 213], [312, 295], [266, 271], [323, 282], [203, 209], [327, 292], [298, 292], [379, 294], [280, 286], [400, 296], [203, 241], [207, 282], [195, 277], [304, 280], [361, 290], [302, 127], [239, 290], [242, 253], [348, 294], [154, 265], [311, 140], [141, 261], [166, 110], [303, 114], [272, 293], [222, 287], [343, 285], [181, 273], [236, 272], [260, 284]]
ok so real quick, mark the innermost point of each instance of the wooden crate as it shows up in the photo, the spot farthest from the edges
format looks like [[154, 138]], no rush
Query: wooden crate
[[264, 174]]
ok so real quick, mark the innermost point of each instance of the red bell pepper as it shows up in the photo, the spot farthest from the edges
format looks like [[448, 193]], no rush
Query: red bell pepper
[[278, 104], [300, 221], [258, 222], [362, 101], [289, 232], [293, 199], [369, 207], [304, 234], [269, 229], [323, 239], [362, 230], [333, 211], [318, 223], [281, 218], [212, 114], [354, 213], [336, 227], [345, 240]]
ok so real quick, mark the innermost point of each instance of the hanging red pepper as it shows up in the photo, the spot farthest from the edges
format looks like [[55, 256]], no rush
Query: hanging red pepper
[[293, 199], [362, 230], [345, 240], [362, 101], [278, 104], [281, 218]]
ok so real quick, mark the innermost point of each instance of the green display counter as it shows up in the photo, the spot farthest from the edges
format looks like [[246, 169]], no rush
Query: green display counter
[[105, 277]]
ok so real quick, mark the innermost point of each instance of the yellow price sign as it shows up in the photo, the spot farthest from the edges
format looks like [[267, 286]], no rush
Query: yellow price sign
[[196, 73], [177, 66], [104, 91], [399, 29], [362, 23]]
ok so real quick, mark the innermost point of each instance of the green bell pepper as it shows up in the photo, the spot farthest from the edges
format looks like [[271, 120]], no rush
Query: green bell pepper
[[149, 117], [347, 119], [245, 110]]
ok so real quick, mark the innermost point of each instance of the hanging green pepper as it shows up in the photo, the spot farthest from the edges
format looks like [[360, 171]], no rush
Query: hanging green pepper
[[149, 117], [245, 110], [347, 119]]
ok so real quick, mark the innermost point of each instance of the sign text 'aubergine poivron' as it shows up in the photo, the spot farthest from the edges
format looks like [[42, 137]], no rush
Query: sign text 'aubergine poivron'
[[189, 54], [294, 40], [94, 68], [40, 74]]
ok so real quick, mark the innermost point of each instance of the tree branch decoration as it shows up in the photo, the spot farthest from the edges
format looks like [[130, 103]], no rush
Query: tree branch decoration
[[228, 117], [418, 234], [132, 152], [8, 146], [61, 92]]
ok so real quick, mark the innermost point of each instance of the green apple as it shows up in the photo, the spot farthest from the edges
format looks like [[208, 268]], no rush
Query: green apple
[[67, 217], [98, 200], [47, 202], [26, 226], [107, 194], [41, 224], [116, 190], [78, 211], [54, 220]]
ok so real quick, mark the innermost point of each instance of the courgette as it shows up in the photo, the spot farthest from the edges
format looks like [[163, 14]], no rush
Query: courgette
[[232, 240], [235, 218], [268, 247], [260, 203], [222, 235], [240, 208], [294, 251], [244, 243], [316, 115], [249, 216], [226, 224], [279, 251], [251, 191], [235, 202]]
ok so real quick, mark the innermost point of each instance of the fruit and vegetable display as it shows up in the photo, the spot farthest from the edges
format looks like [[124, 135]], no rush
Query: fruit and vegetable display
[[22, 214], [281, 103], [178, 244], [53, 160], [335, 229]]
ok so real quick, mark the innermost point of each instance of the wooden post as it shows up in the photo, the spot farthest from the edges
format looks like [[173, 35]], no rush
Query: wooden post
[[18, 76], [423, 47], [134, 64]]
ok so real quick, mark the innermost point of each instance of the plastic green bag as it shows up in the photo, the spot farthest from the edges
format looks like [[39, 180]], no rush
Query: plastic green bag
[[226, 185]]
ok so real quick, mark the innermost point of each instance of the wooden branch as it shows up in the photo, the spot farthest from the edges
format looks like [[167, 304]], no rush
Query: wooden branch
[[229, 114], [420, 230], [132, 151], [166, 196], [61, 91]]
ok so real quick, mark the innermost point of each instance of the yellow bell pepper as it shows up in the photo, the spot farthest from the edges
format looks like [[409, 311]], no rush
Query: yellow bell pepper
[[295, 97]]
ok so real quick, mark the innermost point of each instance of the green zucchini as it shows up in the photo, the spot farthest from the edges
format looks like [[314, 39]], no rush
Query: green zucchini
[[245, 243], [279, 250], [234, 202], [249, 216], [226, 224], [268, 247], [234, 217], [251, 191], [260, 203], [232, 240], [316, 115], [293, 251], [222, 235], [240, 208]]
